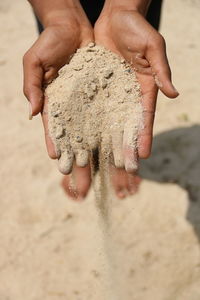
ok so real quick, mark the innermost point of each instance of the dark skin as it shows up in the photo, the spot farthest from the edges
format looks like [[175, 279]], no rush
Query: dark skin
[[136, 41]]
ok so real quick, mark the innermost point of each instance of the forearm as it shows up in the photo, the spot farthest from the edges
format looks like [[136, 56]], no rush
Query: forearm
[[52, 12], [139, 5]]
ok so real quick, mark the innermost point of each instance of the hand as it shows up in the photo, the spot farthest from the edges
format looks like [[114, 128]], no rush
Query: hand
[[49, 53], [127, 33]]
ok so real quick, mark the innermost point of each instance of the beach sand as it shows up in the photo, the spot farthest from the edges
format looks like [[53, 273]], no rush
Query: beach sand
[[52, 248]]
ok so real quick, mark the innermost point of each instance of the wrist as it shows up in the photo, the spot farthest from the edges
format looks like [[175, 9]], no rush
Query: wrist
[[60, 13], [138, 5], [61, 18]]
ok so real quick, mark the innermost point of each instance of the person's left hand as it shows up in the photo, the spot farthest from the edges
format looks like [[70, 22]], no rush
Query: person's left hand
[[50, 52], [127, 33]]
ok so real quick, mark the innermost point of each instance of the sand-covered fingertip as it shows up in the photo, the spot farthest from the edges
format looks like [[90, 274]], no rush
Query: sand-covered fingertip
[[131, 164], [65, 162], [117, 148], [82, 158]]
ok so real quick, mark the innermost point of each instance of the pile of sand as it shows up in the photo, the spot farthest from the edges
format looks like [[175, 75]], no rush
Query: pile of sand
[[94, 102]]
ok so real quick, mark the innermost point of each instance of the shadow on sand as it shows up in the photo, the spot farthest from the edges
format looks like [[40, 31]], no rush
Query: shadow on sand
[[176, 158]]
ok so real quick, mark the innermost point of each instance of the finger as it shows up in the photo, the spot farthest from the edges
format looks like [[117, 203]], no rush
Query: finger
[[68, 188], [117, 142], [139, 69], [83, 180], [121, 194], [82, 158], [156, 55], [50, 74], [133, 183], [141, 61], [146, 135], [33, 78], [49, 144], [65, 161], [149, 99], [130, 147]]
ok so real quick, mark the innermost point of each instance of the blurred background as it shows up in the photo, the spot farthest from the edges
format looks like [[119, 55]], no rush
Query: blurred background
[[52, 248]]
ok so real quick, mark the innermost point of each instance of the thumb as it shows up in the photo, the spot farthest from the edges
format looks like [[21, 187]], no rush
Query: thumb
[[33, 78], [157, 57]]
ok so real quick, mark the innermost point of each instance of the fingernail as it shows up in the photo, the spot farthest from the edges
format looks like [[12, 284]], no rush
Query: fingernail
[[121, 195], [133, 190], [131, 166], [30, 112], [175, 90], [80, 198]]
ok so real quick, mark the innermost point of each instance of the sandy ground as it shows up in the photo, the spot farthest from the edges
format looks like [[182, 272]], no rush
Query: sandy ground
[[52, 248]]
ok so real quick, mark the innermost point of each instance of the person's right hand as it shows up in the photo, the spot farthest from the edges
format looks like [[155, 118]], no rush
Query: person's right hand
[[43, 60], [127, 33]]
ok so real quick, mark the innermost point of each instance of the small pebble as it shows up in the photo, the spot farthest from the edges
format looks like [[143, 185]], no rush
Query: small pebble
[[91, 50], [128, 70], [78, 68], [137, 87], [59, 132], [122, 61], [127, 88], [90, 94], [107, 94], [68, 118], [89, 91], [56, 113], [87, 58], [94, 87], [79, 139], [108, 73], [91, 45], [103, 83]]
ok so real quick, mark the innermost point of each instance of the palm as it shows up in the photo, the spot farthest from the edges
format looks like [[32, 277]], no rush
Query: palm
[[56, 57], [131, 42], [42, 62], [54, 48]]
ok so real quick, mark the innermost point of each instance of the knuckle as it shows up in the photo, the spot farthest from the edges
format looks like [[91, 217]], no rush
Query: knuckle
[[26, 57], [160, 40], [157, 41], [30, 59]]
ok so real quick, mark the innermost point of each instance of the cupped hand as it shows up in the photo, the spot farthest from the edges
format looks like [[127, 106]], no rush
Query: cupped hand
[[127, 33], [43, 60]]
